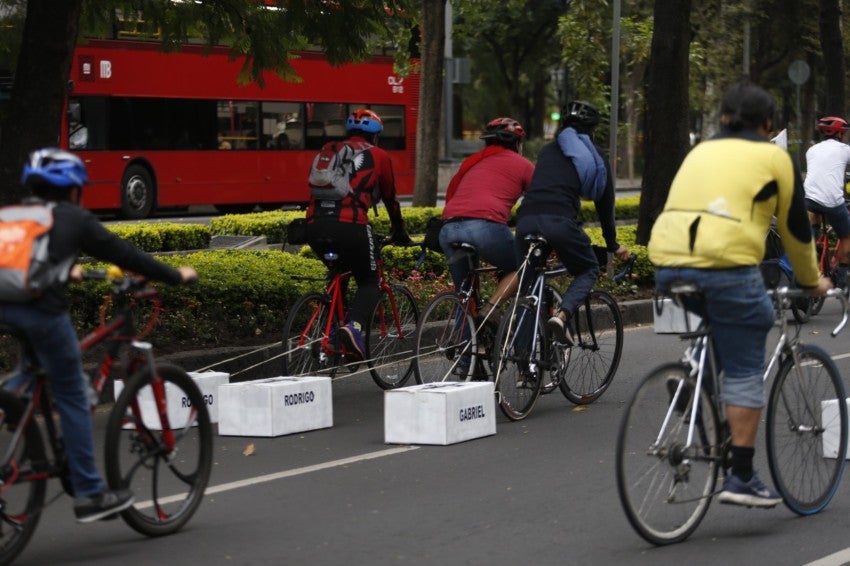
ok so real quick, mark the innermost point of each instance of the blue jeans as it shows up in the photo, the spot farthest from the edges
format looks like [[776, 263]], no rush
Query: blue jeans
[[741, 314], [55, 343], [494, 242], [571, 244]]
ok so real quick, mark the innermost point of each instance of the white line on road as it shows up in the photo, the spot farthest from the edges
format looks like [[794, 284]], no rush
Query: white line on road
[[284, 474], [835, 559]]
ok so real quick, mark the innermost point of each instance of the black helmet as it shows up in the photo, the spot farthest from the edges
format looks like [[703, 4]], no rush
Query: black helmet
[[582, 114]]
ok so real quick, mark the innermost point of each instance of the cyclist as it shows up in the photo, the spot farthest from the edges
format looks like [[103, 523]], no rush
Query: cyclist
[[712, 231], [341, 225], [58, 176], [569, 169], [478, 206], [826, 163]]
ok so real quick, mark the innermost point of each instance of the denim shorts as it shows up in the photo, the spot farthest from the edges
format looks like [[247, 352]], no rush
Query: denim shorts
[[836, 216], [494, 242], [740, 314]]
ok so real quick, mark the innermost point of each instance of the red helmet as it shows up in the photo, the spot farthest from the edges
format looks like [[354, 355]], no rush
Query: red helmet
[[506, 130], [832, 125]]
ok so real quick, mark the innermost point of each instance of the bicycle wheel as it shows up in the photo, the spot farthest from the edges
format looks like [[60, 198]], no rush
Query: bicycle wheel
[[806, 461], [519, 360], [559, 353], [446, 341], [23, 491], [665, 487], [303, 334], [169, 465], [390, 340], [589, 366]]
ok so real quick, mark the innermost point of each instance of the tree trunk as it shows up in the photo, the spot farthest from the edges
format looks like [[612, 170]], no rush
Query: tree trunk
[[666, 109], [430, 98], [38, 92], [833, 55]]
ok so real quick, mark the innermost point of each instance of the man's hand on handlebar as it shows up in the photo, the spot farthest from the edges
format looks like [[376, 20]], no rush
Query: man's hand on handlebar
[[187, 274], [824, 285]]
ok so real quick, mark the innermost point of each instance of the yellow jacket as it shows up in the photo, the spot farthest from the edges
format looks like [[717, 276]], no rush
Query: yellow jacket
[[721, 204]]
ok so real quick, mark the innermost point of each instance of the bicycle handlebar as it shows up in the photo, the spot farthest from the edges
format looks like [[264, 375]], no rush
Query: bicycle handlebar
[[781, 293]]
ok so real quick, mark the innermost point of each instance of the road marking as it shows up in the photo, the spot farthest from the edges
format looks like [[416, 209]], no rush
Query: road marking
[[284, 474], [835, 559]]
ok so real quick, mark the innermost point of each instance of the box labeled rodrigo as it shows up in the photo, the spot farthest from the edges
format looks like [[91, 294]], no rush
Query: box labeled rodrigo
[[275, 406], [178, 403], [439, 413]]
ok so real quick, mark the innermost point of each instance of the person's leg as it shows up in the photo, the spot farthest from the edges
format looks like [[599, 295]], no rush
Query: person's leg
[[839, 219], [741, 315]]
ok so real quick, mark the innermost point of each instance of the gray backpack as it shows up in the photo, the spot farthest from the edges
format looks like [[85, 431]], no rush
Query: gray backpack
[[332, 169]]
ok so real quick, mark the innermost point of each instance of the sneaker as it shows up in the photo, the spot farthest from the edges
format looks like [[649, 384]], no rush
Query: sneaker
[[352, 336], [560, 331], [749, 494], [526, 379], [103, 506]]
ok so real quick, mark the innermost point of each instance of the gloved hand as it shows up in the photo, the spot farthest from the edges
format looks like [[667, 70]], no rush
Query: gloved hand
[[400, 238]]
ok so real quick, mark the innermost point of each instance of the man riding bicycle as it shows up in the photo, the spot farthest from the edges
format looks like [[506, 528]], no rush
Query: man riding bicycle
[[826, 163], [568, 169], [56, 176], [712, 232], [478, 206], [342, 225]]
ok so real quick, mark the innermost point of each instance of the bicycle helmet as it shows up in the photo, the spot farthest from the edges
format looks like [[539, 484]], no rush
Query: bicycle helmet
[[582, 114], [54, 167], [365, 120], [506, 130], [832, 126]]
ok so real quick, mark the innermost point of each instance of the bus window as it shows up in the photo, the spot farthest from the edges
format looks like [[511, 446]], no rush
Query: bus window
[[280, 120], [237, 123]]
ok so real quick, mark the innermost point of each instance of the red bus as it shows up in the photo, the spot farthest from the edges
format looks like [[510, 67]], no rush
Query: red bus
[[160, 130]]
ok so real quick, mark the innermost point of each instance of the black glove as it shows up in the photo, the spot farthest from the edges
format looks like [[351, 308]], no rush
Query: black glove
[[400, 238]]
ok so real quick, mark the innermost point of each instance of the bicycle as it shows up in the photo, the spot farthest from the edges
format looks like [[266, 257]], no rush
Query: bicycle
[[169, 461], [525, 351], [311, 337], [674, 439], [777, 272], [828, 248]]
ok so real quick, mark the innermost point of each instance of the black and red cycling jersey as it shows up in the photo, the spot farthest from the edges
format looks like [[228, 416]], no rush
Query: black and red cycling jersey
[[372, 178]]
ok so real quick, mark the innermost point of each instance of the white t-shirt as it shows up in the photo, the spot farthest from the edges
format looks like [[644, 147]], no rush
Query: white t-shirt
[[825, 165]]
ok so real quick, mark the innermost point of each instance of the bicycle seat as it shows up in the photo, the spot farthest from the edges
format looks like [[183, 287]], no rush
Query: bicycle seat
[[535, 239]]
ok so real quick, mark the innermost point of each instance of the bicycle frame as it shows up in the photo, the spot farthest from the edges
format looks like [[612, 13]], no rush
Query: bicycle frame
[[118, 331]]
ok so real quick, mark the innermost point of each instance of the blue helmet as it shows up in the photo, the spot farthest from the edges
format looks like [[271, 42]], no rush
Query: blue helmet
[[365, 120], [56, 167]]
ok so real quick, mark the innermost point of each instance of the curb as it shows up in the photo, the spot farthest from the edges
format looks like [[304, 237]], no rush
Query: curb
[[246, 363]]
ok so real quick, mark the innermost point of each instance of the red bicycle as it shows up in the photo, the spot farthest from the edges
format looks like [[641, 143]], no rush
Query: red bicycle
[[311, 337], [828, 247], [160, 454]]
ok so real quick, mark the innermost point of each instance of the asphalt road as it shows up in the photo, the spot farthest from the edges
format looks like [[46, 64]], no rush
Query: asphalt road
[[541, 491]]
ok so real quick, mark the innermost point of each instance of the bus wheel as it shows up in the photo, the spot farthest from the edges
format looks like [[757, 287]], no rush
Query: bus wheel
[[137, 192]]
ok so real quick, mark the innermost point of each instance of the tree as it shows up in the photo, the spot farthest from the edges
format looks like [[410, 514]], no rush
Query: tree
[[833, 55], [666, 109], [347, 30], [428, 125], [513, 50]]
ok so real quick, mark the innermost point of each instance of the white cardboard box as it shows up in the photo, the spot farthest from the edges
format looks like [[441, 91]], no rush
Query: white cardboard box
[[670, 318], [275, 406], [178, 404], [831, 423], [439, 413]]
